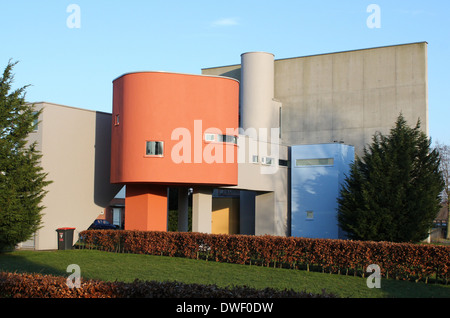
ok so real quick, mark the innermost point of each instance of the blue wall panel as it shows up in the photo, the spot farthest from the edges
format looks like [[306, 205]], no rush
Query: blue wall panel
[[317, 172]]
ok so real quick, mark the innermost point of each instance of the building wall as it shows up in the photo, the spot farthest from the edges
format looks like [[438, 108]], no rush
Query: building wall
[[178, 110], [75, 144], [348, 96], [315, 188], [182, 112], [264, 203]]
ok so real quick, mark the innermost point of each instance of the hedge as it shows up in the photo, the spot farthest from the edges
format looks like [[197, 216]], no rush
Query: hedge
[[22, 285], [417, 262]]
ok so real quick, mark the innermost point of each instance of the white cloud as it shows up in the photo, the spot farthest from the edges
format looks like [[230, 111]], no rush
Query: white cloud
[[225, 22]]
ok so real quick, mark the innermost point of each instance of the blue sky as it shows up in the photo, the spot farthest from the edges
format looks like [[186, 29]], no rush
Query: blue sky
[[76, 66]]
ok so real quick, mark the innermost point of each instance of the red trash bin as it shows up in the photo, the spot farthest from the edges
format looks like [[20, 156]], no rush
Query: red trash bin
[[65, 238]]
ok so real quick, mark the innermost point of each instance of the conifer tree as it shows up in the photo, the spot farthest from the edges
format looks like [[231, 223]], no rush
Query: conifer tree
[[22, 180], [392, 192]]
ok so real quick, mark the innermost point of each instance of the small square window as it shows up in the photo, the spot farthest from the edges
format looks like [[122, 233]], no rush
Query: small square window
[[268, 161], [210, 137], [154, 148], [309, 215], [255, 159]]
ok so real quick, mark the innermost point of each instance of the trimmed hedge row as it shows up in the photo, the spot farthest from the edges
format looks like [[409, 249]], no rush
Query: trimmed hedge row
[[397, 260], [14, 285]]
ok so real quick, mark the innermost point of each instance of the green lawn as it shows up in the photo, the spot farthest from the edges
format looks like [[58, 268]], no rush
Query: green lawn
[[127, 267]]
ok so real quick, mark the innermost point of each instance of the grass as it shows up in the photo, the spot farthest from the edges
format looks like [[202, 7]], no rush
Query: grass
[[108, 266]]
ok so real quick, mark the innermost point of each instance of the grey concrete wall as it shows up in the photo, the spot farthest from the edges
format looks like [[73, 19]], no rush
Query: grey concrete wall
[[348, 96], [351, 95]]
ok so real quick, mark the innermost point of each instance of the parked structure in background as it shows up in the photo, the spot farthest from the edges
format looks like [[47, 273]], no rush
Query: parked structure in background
[[264, 144]]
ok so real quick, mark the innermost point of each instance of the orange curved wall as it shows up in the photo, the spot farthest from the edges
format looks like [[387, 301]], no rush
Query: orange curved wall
[[151, 105]]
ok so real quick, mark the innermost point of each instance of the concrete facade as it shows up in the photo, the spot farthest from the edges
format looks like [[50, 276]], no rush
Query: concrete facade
[[262, 180], [75, 144], [264, 188], [348, 96], [337, 98]]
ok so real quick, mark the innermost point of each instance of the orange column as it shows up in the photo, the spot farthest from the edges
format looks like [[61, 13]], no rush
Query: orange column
[[146, 207]]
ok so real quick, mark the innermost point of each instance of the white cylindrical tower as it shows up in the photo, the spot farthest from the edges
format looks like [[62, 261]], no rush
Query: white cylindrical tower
[[257, 91]]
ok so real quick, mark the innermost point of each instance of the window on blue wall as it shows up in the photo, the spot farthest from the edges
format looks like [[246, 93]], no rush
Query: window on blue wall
[[314, 162], [310, 215]]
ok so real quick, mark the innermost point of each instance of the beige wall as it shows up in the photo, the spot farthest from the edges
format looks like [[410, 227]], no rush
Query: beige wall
[[269, 186], [75, 144], [202, 210]]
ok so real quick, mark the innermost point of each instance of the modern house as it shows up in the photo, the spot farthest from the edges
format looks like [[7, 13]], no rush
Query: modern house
[[264, 145]]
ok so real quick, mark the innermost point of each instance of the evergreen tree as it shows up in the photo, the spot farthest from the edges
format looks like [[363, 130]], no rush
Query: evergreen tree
[[22, 180], [393, 192]]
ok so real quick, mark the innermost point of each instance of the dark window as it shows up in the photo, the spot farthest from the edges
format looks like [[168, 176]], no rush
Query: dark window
[[154, 148]]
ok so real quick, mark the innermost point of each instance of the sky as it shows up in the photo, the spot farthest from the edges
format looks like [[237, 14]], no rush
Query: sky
[[69, 52]]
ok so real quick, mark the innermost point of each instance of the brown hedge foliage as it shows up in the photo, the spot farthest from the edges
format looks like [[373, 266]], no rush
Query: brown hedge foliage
[[396, 260], [14, 285]]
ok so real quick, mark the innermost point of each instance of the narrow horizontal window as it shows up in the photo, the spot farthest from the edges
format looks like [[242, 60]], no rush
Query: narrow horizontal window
[[227, 138], [283, 162], [268, 161], [314, 162], [154, 148]]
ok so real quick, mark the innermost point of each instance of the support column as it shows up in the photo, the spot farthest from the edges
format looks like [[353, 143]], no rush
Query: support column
[[183, 202], [146, 207], [265, 213], [247, 212], [202, 210]]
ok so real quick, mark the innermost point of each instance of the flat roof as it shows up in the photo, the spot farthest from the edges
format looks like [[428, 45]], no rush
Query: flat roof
[[71, 107], [337, 52], [176, 73]]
